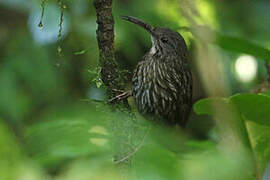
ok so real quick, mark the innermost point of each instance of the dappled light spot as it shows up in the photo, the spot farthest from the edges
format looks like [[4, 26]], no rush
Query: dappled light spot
[[98, 130], [246, 68], [98, 141]]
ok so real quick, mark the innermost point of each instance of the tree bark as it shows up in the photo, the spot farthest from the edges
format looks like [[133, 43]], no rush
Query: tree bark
[[110, 73]]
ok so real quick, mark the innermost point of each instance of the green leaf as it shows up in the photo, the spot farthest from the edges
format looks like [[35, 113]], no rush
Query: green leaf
[[13, 160], [259, 136], [155, 162], [234, 44], [70, 133], [53, 142], [207, 106], [254, 107], [96, 167], [239, 45]]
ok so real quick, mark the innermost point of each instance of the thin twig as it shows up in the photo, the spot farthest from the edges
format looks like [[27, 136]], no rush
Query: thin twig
[[92, 100], [120, 97], [135, 150], [118, 90]]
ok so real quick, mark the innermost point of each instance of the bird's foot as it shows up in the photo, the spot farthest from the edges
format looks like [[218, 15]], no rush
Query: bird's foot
[[120, 97]]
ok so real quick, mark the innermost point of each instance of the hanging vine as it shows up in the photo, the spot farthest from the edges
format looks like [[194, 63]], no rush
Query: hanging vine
[[40, 24], [62, 7]]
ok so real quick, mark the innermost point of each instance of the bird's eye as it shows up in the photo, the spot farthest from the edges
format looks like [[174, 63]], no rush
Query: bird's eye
[[164, 40]]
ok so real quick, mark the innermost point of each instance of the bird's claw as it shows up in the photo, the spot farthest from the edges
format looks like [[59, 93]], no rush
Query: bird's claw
[[123, 95]]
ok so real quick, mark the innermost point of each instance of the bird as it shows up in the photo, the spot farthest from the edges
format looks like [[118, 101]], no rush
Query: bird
[[162, 80]]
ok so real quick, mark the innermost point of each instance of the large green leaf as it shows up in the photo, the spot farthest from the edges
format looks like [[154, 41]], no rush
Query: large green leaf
[[13, 163], [239, 45], [205, 106], [234, 44], [253, 110], [69, 133], [254, 107]]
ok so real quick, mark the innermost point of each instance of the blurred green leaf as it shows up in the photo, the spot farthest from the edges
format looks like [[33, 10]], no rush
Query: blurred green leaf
[[96, 168], [13, 163], [239, 45], [9, 152], [153, 162], [28, 80], [260, 135], [254, 107], [213, 164], [206, 106], [254, 111], [70, 133], [233, 44]]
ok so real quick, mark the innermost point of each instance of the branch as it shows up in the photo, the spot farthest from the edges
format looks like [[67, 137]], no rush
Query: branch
[[135, 150], [105, 35], [122, 96]]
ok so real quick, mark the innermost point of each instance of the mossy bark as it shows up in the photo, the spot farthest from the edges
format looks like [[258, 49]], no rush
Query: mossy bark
[[105, 35]]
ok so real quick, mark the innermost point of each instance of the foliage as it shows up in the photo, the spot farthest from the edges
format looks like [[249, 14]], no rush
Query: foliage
[[253, 118], [55, 122]]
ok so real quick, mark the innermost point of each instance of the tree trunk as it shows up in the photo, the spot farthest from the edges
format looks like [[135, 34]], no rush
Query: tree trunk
[[105, 35]]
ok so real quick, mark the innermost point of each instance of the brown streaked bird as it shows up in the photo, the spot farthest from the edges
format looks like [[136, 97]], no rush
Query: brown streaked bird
[[162, 81]]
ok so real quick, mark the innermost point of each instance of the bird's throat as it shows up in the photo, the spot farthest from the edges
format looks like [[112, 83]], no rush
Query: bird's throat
[[153, 50]]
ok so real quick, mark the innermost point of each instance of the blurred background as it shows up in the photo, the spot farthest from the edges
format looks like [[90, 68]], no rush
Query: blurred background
[[54, 123]]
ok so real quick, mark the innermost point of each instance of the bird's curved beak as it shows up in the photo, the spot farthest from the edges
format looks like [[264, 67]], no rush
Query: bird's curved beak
[[139, 22]]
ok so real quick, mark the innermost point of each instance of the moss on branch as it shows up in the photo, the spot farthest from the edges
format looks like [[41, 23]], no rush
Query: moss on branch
[[105, 35]]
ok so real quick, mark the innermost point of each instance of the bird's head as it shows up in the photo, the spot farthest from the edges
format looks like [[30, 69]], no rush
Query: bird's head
[[164, 40]]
